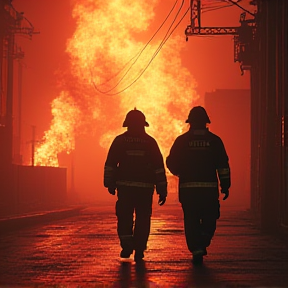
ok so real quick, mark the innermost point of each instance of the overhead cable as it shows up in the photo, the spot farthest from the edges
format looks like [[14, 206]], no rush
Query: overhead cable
[[245, 10], [155, 54], [136, 56]]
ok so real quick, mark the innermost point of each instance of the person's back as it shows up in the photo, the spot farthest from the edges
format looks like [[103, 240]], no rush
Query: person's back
[[134, 166], [199, 159], [198, 155], [138, 157]]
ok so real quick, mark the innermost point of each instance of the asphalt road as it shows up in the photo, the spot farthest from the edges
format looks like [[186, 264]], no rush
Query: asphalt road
[[83, 251]]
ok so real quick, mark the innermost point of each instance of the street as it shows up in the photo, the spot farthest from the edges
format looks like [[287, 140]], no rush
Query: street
[[83, 251]]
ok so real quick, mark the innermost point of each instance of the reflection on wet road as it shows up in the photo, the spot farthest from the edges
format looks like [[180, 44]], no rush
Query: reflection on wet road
[[84, 251]]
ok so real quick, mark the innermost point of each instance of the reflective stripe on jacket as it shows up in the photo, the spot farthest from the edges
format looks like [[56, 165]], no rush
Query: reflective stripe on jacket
[[134, 184], [136, 161], [199, 159], [198, 184]]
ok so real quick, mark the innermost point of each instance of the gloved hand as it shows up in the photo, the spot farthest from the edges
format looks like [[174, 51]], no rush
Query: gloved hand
[[112, 190], [226, 192], [162, 199]]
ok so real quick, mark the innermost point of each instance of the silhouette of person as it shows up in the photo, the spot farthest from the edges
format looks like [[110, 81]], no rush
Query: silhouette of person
[[198, 157], [134, 168]]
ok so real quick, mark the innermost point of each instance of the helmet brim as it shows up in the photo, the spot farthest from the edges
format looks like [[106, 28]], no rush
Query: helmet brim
[[146, 124], [188, 121]]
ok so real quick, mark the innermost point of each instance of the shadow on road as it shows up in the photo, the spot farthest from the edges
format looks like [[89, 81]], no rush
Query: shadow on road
[[132, 275], [201, 276]]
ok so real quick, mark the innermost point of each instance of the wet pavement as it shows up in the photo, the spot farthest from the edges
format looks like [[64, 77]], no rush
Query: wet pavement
[[83, 251]]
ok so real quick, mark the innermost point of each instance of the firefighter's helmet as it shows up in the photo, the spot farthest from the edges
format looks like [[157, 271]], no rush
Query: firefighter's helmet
[[135, 118], [198, 115]]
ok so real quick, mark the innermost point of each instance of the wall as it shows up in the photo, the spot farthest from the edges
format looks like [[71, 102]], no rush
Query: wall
[[269, 137], [34, 189]]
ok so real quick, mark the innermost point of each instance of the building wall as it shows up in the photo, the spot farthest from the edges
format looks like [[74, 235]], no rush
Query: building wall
[[34, 189], [269, 92]]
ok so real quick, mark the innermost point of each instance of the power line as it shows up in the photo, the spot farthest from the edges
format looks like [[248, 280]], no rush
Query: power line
[[209, 7], [137, 56], [155, 54], [245, 10]]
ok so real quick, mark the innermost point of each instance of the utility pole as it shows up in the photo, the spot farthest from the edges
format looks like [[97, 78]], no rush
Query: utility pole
[[9, 99], [12, 23], [33, 146], [17, 153], [243, 35]]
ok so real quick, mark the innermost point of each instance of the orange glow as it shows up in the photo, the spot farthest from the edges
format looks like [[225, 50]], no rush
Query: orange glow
[[61, 136], [107, 56]]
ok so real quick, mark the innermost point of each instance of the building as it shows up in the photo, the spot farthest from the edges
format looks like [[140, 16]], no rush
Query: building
[[269, 117]]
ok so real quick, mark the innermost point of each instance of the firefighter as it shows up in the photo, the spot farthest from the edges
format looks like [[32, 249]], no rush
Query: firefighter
[[198, 157], [134, 168]]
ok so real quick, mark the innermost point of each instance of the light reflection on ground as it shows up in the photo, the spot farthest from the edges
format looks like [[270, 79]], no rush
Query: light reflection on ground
[[84, 251]]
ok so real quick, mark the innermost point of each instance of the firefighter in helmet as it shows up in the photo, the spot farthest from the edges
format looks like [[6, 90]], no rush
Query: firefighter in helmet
[[134, 168], [198, 157]]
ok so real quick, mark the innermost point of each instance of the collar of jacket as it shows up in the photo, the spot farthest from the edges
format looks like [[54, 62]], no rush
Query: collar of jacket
[[198, 131]]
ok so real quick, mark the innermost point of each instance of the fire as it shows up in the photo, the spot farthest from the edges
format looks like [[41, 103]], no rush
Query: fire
[[115, 68], [61, 136]]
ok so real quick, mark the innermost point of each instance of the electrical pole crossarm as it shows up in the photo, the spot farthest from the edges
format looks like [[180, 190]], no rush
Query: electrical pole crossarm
[[16, 22], [204, 31], [243, 35]]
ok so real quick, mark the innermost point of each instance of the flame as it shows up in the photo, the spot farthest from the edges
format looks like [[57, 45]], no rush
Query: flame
[[61, 136], [114, 69]]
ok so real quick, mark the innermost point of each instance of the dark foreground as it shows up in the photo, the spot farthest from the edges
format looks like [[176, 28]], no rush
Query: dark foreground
[[83, 250]]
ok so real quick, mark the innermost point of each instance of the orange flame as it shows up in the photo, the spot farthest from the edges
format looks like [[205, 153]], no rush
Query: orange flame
[[116, 72], [61, 136]]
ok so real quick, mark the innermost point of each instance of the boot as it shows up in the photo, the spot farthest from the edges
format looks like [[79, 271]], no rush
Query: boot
[[138, 256]]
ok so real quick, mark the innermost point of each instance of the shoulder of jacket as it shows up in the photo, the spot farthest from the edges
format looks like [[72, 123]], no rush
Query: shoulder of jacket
[[120, 137], [183, 136], [149, 137], [215, 137]]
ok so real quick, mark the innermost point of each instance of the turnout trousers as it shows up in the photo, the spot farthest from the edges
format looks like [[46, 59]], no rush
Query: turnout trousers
[[200, 217], [133, 211]]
